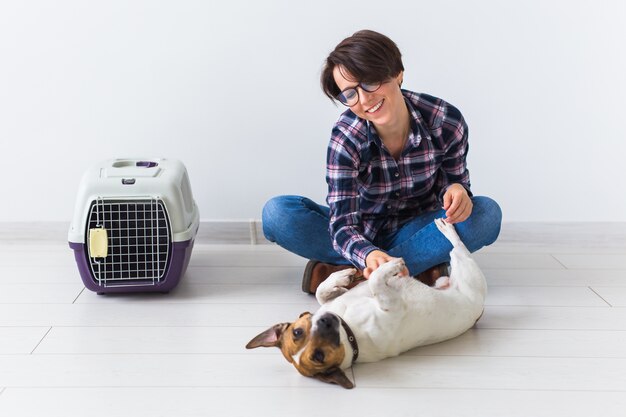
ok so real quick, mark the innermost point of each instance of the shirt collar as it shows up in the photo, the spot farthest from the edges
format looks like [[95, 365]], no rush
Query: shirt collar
[[415, 132], [417, 122]]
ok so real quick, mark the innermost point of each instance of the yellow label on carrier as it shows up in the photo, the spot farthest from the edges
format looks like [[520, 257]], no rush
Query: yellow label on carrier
[[98, 243]]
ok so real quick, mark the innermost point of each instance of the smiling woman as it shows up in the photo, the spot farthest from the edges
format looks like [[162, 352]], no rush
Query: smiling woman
[[396, 161]]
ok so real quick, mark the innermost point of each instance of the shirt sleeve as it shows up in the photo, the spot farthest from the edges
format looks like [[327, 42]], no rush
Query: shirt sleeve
[[345, 226], [454, 164]]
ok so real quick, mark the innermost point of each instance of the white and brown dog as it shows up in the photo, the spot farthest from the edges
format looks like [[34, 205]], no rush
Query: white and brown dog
[[381, 317]]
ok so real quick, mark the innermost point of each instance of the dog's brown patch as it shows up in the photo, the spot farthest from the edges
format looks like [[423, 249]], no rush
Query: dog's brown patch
[[295, 336], [319, 356]]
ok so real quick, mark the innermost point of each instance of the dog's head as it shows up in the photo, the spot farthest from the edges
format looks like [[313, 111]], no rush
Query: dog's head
[[313, 344]]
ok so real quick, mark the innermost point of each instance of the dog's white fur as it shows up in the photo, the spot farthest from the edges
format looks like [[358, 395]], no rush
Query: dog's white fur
[[390, 314]]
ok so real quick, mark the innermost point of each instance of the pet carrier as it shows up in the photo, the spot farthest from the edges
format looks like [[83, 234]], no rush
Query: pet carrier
[[134, 225]]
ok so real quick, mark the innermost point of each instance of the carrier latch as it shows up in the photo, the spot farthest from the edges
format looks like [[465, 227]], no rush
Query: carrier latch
[[98, 242]]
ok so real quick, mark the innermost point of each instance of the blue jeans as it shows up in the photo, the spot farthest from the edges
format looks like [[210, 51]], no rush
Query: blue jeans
[[300, 225]]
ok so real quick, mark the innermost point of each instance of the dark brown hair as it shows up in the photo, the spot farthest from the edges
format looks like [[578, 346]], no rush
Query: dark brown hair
[[367, 55]]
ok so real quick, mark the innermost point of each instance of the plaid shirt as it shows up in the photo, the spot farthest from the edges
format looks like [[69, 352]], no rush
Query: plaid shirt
[[370, 194]]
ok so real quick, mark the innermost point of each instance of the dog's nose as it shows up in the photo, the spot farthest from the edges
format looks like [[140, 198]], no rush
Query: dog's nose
[[328, 321], [328, 328]]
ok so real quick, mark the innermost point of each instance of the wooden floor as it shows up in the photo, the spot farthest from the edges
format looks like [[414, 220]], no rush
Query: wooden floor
[[552, 341]]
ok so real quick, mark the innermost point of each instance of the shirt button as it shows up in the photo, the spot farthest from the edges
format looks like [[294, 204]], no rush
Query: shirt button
[[397, 194], [389, 206], [397, 174]]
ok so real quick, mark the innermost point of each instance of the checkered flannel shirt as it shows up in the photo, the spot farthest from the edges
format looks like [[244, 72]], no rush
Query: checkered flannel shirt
[[370, 193]]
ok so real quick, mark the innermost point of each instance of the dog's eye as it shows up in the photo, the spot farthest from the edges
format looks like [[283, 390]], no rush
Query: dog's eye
[[297, 333], [318, 356]]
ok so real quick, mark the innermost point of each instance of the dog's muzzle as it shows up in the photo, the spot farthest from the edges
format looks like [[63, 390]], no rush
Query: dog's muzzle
[[326, 327]]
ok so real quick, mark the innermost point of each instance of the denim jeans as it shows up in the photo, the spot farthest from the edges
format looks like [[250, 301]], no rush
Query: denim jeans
[[300, 225]]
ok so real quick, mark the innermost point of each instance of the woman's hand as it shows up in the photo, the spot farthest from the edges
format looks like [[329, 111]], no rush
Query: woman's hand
[[375, 259], [457, 204]]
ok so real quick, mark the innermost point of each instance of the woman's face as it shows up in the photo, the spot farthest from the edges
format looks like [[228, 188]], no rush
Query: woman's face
[[382, 107]]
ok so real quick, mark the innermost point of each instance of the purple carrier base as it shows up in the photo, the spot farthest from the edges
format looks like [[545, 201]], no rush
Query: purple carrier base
[[181, 253]]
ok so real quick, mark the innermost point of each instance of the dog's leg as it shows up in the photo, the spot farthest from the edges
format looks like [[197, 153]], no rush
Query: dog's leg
[[450, 233], [464, 271], [334, 286], [386, 295]]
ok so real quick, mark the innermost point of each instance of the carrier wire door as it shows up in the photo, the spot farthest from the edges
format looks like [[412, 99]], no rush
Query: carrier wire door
[[138, 241]]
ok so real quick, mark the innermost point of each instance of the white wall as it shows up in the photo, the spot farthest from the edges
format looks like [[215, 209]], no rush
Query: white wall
[[231, 88]]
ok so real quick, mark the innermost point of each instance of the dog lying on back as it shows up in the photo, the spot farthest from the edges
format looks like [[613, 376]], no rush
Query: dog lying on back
[[381, 317]]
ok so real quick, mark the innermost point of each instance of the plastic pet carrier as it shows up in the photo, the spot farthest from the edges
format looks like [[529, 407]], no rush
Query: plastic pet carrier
[[134, 225]]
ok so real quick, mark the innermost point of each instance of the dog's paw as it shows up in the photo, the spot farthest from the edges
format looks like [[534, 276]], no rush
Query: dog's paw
[[333, 293], [443, 226], [341, 278], [442, 283], [393, 268], [335, 285], [447, 229], [396, 266]]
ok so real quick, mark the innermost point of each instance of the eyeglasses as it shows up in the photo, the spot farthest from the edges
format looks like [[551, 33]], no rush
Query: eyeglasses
[[350, 96]]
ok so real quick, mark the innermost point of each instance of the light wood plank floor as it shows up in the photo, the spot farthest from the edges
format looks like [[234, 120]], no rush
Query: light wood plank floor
[[552, 341]]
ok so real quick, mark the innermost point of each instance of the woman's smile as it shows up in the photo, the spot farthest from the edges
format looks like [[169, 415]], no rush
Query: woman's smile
[[376, 107]]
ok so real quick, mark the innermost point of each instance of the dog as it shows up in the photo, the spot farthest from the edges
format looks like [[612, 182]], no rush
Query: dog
[[382, 317]]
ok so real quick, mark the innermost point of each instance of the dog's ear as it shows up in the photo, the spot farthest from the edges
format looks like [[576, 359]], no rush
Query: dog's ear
[[335, 376], [269, 338]]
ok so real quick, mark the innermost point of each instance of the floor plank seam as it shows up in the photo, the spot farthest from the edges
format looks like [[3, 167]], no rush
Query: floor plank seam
[[44, 336], [594, 291], [284, 304], [316, 388], [517, 356], [252, 327], [405, 356], [79, 294], [300, 304], [560, 263], [543, 329]]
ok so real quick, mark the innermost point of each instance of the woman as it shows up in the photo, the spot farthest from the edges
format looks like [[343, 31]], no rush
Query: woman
[[396, 161]]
